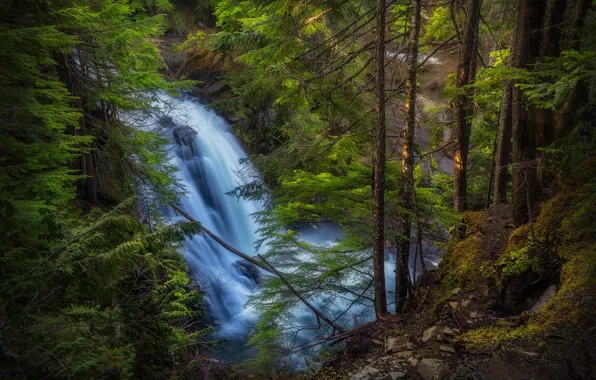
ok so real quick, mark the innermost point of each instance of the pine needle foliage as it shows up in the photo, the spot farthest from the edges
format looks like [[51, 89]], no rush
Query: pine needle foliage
[[87, 290]]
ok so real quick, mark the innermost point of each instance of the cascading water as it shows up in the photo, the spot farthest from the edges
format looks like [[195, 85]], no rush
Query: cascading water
[[208, 156]]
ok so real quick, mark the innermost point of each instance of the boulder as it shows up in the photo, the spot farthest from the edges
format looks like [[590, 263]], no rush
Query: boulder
[[432, 369], [184, 135], [548, 294], [249, 270]]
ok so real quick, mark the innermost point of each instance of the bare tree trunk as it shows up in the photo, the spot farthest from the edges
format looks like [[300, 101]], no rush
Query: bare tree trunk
[[490, 177], [578, 96], [528, 39], [550, 47], [379, 165], [503, 146], [466, 72], [407, 161]]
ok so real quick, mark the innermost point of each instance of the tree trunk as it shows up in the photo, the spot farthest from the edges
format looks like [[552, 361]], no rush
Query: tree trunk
[[466, 72], [379, 166], [550, 47], [528, 39], [403, 249], [579, 95], [503, 146]]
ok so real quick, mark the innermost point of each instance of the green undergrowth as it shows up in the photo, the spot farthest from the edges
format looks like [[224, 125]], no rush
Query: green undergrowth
[[564, 235], [460, 266]]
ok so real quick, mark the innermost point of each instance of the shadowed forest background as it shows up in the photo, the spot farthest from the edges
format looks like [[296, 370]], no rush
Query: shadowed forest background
[[330, 189]]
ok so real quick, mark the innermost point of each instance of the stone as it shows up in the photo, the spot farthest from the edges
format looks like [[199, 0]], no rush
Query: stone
[[530, 354], [475, 315], [448, 331], [548, 294], [397, 375], [447, 349], [365, 373], [370, 370], [404, 354], [411, 346], [432, 369], [465, 303], [453, 305], [413, 361], [486, 293], [393, 345], [248, 270], [378, 342], [428, 333], [455, 291]]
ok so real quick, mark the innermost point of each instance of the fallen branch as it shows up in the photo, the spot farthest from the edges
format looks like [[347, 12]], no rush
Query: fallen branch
[[435, 150], [263, 264], [221, 242]]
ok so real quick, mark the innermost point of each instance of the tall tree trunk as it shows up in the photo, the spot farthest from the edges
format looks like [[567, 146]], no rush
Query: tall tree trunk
[[554, 18], [403, 249], [379, 165], [466, 72], [528, 39], [579, 95], [503, 146]]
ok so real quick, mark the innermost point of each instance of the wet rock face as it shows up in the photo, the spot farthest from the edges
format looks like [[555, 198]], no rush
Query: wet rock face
[[249, 270], [184, 135]]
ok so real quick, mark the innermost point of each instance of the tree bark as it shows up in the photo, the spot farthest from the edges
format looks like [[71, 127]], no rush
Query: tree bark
[[550, 47], [528, 39], [578, 96], [379, 165], [503, 146], [407, 162], [466, 72]]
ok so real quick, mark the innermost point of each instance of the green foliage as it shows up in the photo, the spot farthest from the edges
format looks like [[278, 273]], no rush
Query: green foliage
[[108, 298], [552, 80], [440, 27], [94, 293]]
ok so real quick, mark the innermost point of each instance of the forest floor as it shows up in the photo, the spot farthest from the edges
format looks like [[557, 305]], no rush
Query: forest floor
[[437, 341]]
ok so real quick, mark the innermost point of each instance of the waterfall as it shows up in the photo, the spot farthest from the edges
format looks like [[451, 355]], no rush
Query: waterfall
[[208, 155]]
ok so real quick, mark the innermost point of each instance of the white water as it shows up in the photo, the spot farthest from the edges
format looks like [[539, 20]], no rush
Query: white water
[[208, 156], [209, 168]]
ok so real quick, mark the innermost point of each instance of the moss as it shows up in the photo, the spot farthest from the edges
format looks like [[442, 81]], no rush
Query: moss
[[440, 301], [489, 336], [564, 233], [460, 264], [475, 222]]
